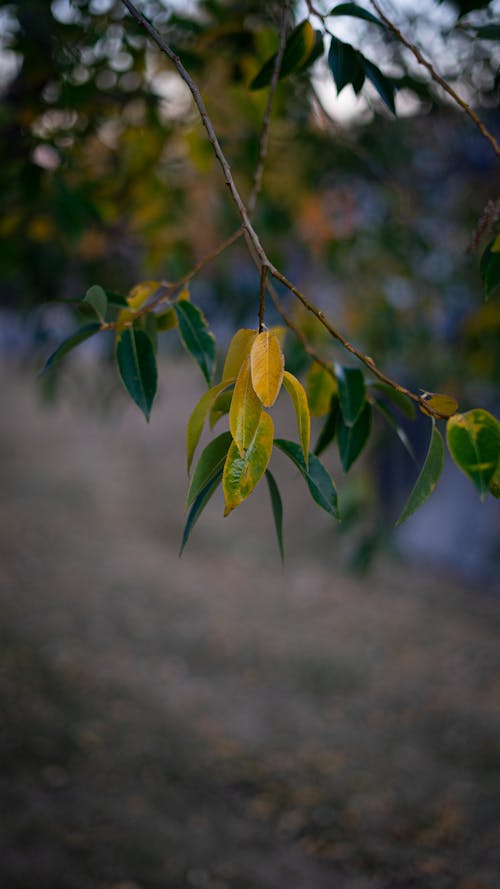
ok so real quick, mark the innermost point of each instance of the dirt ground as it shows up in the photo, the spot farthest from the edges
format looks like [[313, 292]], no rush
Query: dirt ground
[[215, 722]]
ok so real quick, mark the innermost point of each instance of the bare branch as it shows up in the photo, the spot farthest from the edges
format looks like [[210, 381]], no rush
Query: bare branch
[[437, 78], [264, 136]]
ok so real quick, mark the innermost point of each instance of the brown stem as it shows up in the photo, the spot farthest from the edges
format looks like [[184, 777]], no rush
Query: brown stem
[[266, 121], [437, 78]]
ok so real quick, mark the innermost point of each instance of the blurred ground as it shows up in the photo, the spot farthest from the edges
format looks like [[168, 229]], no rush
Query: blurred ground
[[214, 722]]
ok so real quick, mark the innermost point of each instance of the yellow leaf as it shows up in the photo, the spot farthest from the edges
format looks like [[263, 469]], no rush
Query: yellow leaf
[[220, 407], [443, 404], [245, 410], [280, 333], [495, 247], [239, 348], [267, 365], [321, 385], [297, 393], [241, 473], [141, 293], [125, 317], [197, 418]]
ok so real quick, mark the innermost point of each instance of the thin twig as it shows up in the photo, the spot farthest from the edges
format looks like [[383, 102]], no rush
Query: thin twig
[[262, 297], [264, 135], [437, 78]]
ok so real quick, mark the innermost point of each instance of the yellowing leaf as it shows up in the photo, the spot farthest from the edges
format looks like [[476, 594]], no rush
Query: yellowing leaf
[[198, 416], [267, 365], [495, 247], [124, 319], [445, 405], [297, 393], [321, 386], [241, 473], [245, 410], [141, 293], [239, 348]]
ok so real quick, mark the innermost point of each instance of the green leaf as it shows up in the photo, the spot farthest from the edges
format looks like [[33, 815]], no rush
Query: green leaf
[[315, 53], [352, 392], [210, 464], [116, 299], [352, 439], [318, 479], [301, 43], [220, 408], [277, 507], [148, 323], [198, 416], [405, 404], [96, 297], [356, 11], [137, 365], [345, 63], [79, 336], [474, 443], [198, 507], [428, 478], [242, 472], [196, 337], [489, 269], [488, 32], [166, 320], [327, 434], [246, 409], [391, 421], [494, 486], [383, 85]]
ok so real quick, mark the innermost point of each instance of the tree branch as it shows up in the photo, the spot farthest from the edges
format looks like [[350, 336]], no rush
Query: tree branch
[[437, 78], [264, 136]]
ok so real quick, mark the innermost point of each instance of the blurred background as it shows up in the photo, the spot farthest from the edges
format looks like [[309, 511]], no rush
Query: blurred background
[[218, 721]]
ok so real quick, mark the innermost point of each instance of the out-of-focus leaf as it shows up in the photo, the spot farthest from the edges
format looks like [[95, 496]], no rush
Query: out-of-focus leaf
[[79, 336], [148, 323], [299, 46], [198, 416], [489, 269], [210, 464], [166, 320], [140, 294], [488, 32], [96, 297], [277, 507], [239, 349], [298, 396], [352, 439], [474, 443], [352, 9], [405, 404], [428, 478], [494, 486], [137, 365], [241, 473], [346, 65], [327, 434], [383, 84], [267, 366], [391, 421], [352, 393], [196, 337], [321, 386], [198, 507], [245, 410], [318, 479]]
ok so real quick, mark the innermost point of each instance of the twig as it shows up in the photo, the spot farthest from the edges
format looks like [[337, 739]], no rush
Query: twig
[[437, 78], [262, 297], [264, 135]]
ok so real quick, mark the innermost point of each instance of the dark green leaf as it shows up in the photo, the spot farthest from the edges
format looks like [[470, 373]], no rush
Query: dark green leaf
[[489, 269], [346, 65], [196, 337], [352, 393], [96, 297], [352, 439], [79, 336], [327, 434], [277, 507], [318, 480], [356, 11], [115, 299], [137, 365], [300, 45], [383, 85], [488, 32], [428, 478], [210, 464], [391, 421], [198, 507], [149, 324], [316, 51], [405, 404], [474, 443]]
